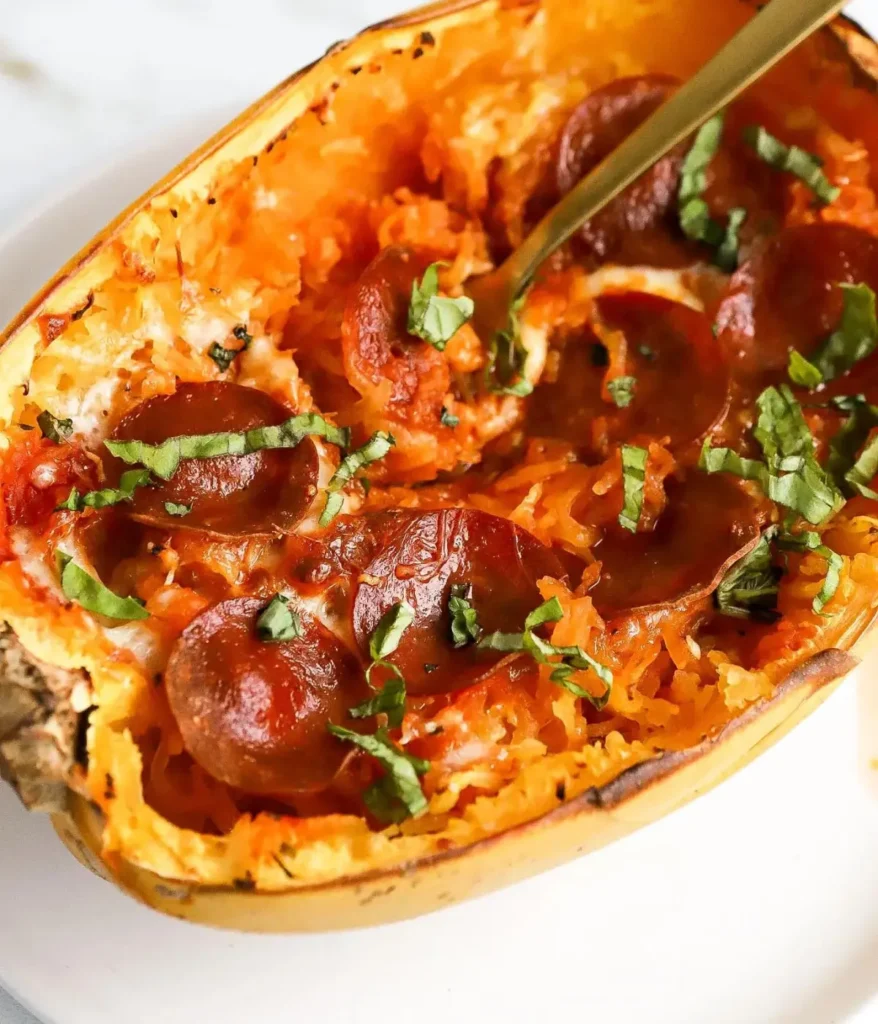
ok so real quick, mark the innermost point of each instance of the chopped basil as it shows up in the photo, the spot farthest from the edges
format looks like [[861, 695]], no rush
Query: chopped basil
[[726, 460], [805, 166], [390, 700], [573, 658], [222, 356], [175, 508], [622, 390], [854, 432], [388, 633], [863, 471], [242, 334], [633, 477], [400, 789], [504, 373], [130, 480], [810, 541], [855, 337], [749, 588], [694, 216], [448, 419], [465, 628], [378, 445], [695, 219], [92, 595], [802, 372], [383, 642], [53, 428], [726, 255], [790, 474], [277, 622], [164, 459], [433, 317]]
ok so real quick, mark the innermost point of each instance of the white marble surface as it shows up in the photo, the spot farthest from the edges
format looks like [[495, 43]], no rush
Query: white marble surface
[[82, 80]]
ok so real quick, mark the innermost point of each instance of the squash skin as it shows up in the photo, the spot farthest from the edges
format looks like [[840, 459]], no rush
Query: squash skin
[[597, 817]]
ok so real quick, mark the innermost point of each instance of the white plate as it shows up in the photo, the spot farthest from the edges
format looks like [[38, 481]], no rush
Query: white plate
[[758, 903]]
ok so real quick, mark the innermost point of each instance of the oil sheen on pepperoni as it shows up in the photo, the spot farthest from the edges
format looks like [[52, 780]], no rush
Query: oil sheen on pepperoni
[[681, 381], [787, 296], [709, 522], [254, 714], [264, 492], [417, 556], [639, 226], [377, 347]]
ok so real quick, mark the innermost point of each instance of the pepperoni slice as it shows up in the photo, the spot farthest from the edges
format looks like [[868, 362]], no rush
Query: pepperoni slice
[[254, 714], [377, 348], [787, 296], [681, 381], [416, 556], [709, 522], [639, 225], [264, 492]]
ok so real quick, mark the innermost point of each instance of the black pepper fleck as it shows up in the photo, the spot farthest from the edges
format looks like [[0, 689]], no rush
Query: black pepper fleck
[[428, 39], [211, 201], [174, 214], [245, 884], [561, 791], [418, 52], [110, 789]]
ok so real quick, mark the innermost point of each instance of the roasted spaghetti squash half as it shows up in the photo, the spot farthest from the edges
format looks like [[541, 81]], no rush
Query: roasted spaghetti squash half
[[322, 610]]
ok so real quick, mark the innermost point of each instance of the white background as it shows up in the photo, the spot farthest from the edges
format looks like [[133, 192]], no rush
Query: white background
[[82, 81]]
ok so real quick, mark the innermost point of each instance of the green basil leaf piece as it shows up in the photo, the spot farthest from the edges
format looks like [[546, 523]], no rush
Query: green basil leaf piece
[[810, 541], [377, 447], [749, 588], [401, 782], [622, 390], [504, 372], [863, 471], [695, 218], [633, 477], [448, 419], [573, 658], [53, 428], [465, 628], [390, 700], [129, 481], [278, 622], [388, 633], [805, 166], [433, 317], [805, 488], [855, 337], [548, 611], [222, 356], [92, 595], [802, 372], [726, 255], [164, 459], [175, 508]]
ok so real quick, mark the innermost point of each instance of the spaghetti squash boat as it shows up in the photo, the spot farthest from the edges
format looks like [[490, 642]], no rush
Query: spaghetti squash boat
[[322, 610]]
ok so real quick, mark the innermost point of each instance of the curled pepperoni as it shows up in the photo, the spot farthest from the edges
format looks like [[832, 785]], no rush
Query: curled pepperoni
[[639, 226], [787, 296], [254, 714], [264, 492], [377, 347], [680, 385], [709, 522], [416, 557]]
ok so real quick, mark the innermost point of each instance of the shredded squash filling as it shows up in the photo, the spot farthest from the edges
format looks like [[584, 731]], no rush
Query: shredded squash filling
[[456, 580]]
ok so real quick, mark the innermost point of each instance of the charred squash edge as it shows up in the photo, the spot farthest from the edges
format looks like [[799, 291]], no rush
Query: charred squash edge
[[638, 795]]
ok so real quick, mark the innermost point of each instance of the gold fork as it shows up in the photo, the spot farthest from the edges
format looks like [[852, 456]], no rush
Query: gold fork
[[770, 34]]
